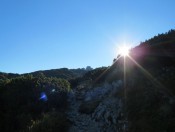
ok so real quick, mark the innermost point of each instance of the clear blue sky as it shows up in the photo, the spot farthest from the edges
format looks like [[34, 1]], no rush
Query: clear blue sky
[[49, 34]]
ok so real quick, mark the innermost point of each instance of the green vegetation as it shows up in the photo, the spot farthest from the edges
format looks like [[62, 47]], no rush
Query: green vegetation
[[64, 73], [4, 76], [25, 99], [50, 122], [94, 76]]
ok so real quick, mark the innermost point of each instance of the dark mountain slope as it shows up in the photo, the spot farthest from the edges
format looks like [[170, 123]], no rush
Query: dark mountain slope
[[149, 89], [4, 76], [64, 73], [158, 50]]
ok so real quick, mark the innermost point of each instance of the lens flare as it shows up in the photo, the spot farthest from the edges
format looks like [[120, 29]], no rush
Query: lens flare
[[43, 96]]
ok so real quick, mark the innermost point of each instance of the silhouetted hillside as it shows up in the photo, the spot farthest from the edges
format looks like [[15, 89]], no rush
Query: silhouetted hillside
[[159, 50], [92, 76], [4, 76], [149, 90], [64, 73]]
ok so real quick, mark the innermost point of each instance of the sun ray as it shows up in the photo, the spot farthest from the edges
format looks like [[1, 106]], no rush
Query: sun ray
[[154, 81], [124, 80], [97, 79]]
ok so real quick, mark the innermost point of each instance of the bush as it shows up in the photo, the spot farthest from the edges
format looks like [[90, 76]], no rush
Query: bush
[[21, 100], [51, 122]]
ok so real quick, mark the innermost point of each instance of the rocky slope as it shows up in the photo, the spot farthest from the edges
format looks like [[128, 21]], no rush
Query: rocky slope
[[97, 109]]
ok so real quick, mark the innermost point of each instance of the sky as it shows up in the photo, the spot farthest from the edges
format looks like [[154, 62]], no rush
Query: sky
[[50, 34]]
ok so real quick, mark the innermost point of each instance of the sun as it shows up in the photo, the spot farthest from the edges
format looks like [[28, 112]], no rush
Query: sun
[[124, 50]]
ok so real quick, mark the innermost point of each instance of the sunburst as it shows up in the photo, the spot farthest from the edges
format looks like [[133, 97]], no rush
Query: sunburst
[[124, 50]]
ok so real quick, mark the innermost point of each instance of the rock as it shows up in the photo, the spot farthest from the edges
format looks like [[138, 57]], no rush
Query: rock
[[97, 110], [88, 107]]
